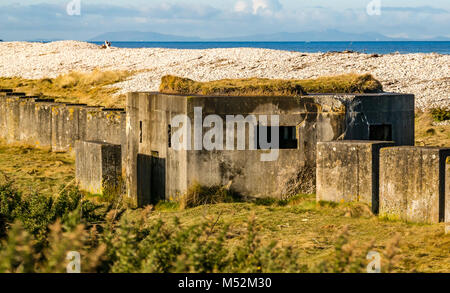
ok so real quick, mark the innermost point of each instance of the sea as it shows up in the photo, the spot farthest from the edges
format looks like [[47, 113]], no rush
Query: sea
[[307, 47]]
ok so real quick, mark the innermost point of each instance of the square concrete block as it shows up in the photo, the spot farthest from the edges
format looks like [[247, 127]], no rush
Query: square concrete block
[[412, 183], [98, 166], [348, 171]]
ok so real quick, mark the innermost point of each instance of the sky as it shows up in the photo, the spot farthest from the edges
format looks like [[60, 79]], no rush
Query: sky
[[50, 19]]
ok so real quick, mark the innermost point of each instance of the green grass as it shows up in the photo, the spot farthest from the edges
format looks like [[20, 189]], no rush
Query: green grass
[[311, 229], [348, 83], [35, 170]]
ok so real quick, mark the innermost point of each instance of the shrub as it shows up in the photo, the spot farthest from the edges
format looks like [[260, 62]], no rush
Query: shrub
[[137, 244], [440, 114], [36, 212]]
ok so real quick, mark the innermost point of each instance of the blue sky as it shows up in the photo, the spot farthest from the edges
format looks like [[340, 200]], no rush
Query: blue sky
[[48, 19]]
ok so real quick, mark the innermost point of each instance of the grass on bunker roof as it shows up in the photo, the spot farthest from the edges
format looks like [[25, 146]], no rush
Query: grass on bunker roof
[[347, 83]]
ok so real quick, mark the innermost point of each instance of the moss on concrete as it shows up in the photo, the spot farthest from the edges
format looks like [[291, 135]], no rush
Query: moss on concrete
[[348, 83]]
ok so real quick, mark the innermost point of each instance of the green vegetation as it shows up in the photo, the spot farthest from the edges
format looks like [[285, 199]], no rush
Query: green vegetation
[[35, 170], [298, 235], [76, 87], [430, 134], [348, 83], [440, 114]]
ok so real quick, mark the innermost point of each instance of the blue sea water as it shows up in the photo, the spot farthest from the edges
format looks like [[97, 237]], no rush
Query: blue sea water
[[308, 47]]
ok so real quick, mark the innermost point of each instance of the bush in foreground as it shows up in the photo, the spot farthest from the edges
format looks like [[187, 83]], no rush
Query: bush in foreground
[[40, 231]]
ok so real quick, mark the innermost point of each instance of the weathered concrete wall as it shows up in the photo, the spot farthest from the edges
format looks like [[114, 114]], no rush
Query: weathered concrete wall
[[366, 110], [3, 125], [12, 119], [43, 122], [348, 171], [68, 126], [412, 183], [107, 125], [447, 196], [146, 129], [27, 123], [98, 166], [314, 118]]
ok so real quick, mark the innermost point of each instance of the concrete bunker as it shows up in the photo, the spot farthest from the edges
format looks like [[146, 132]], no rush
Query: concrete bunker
[[303, 121]]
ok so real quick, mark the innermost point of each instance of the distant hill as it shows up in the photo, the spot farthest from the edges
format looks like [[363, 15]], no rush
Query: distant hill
[[135, 36], [328, 35], [318, 36]]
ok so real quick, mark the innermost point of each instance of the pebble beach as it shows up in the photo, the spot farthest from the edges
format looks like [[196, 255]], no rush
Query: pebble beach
[[425, 75]]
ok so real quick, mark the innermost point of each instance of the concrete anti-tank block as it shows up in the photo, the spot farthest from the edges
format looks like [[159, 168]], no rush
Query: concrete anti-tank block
[[3, 128], [68, 126], [107, 125], [98, 166], [43, 119], [27, 122], [348, 171], [412, 183]]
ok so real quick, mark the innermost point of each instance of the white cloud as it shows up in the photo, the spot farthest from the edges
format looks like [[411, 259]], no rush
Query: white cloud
[[258, 7], [240, 6]]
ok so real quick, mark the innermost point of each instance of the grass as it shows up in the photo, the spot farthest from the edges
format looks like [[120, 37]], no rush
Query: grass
[[427, 134], [93, 88], [312, 229], [34, 170], [348, 83], [441, 114]]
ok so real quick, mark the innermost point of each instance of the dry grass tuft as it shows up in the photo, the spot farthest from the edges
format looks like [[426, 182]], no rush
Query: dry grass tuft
[[198, 195], [348, 83], [90, 88]]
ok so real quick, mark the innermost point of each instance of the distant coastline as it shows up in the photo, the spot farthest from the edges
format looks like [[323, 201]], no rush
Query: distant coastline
[[368, 47]]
